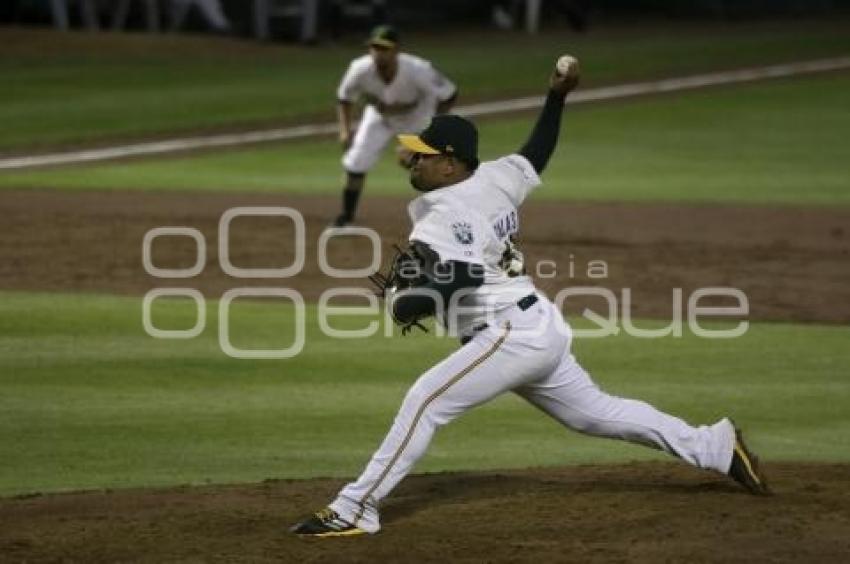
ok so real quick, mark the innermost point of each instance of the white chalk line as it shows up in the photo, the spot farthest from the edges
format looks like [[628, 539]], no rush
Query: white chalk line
[[471, 110]]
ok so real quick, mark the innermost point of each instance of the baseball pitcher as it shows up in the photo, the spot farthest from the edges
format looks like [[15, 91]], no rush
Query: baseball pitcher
[[463, 267]]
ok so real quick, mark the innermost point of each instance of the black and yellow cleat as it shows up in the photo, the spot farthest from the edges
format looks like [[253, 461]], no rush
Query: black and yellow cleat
[[326, 523], [745, 468]]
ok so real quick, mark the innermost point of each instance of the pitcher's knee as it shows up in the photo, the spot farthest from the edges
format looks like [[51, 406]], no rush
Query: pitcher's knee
[[424, 407], [414, 399]]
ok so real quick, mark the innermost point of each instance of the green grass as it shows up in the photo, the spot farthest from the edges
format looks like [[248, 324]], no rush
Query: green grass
[[83, 88], [89, 401], [772, 142]]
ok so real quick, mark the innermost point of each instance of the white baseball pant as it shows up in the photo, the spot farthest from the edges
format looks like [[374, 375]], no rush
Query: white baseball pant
[[527, 352], [375, 131]]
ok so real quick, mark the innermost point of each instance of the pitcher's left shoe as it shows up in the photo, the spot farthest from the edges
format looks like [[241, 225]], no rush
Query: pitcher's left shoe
[[326, 523], [745, 467]]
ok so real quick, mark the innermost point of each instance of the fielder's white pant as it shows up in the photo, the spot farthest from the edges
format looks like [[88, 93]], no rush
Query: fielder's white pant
[[527, 352], [375, 131]]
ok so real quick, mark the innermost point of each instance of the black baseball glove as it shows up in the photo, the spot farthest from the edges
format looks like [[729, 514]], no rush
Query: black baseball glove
[[405, 271], [409, 268]]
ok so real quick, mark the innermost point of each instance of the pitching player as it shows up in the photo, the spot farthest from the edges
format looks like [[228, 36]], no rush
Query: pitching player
[[401, 92], [513, 338]]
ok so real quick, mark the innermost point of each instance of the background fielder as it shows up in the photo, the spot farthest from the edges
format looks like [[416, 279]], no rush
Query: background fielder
[[514, 339], [401, 93]]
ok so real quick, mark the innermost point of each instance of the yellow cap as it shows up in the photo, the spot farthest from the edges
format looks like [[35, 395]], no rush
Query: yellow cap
[[417, 145]]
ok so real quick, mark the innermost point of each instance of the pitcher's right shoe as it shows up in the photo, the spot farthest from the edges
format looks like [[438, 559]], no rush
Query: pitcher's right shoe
[[326, 523], [745, 468]]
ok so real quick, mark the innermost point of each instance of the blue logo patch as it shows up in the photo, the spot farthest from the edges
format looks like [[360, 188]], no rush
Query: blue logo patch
[[463, 232]]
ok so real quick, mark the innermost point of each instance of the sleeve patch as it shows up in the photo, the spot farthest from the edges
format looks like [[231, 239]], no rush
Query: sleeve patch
[[463, 232]]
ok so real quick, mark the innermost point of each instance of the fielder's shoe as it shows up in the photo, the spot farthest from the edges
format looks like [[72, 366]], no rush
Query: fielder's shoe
[[745, 468], [342, 220], [342, 225], [326, 523]]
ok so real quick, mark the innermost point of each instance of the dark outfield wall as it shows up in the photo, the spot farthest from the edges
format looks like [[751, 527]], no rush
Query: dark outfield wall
[[416, 14]]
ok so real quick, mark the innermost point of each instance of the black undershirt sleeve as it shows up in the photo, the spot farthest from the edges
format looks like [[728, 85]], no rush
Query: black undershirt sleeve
[[541, 143], [410, 305]]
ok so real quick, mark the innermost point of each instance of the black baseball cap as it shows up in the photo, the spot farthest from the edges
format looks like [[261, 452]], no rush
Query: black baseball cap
[[385, 36], [447, 134]]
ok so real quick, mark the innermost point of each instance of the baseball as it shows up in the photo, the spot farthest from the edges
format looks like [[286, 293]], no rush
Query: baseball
[[567, 64]]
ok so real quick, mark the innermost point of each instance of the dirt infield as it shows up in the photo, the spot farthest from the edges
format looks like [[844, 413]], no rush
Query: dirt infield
[[792, 263], [647, 512]]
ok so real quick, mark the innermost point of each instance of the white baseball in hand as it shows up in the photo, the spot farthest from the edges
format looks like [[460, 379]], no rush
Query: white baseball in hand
[[566, 65]]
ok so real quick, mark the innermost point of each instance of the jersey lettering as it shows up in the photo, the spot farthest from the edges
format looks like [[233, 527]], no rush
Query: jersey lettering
[[506, 225]]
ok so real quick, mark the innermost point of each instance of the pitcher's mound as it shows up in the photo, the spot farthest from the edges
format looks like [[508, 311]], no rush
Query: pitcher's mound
[[651, 512]]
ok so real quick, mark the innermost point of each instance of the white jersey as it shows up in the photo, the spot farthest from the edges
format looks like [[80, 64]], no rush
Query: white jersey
[[412, 95], [472, 221]]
